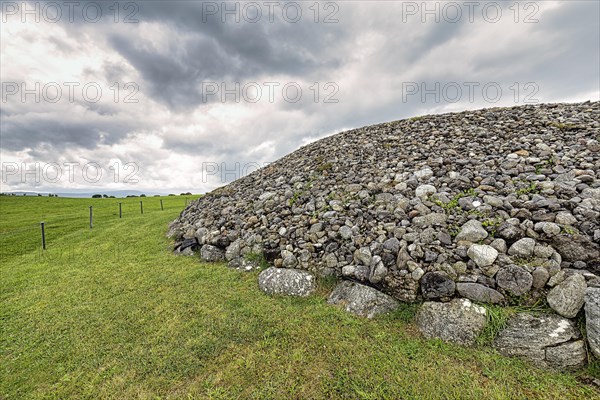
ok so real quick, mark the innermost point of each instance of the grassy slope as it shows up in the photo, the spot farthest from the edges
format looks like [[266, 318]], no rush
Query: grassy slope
[[111, 313]]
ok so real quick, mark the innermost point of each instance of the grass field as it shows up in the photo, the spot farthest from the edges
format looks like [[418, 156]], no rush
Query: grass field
[[109, 312]]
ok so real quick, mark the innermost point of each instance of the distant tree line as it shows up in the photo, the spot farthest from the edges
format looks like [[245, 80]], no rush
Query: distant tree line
[[25, 194]]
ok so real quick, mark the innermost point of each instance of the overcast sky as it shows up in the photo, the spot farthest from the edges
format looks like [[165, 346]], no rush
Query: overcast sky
[[167, 117]]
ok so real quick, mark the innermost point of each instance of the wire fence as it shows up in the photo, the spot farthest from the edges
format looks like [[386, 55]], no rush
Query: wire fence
[[39, 236]]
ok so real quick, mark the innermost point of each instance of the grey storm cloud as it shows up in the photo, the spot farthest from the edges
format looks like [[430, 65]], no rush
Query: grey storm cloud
[[202, 48], [28, 131], [218, 52]]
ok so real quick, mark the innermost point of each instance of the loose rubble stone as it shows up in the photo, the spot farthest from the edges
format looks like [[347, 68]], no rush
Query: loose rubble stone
[[458, 321], [540, 277], [289, 259], [188, 247], [522, 248], [425, 190], [362, 300], [482, 254], [549, 228], [514, 279], [435, 285], [392, 245], [557, 278], [547, 340], [592, 319], [509, 231], [346, 232], [211, 253], [233, 251], [567, 297], [243, 264], [424, 174], [500, 245], [576, 248], [288, 282], [565, 218], [432, 219], [477, 292], [472, 231]]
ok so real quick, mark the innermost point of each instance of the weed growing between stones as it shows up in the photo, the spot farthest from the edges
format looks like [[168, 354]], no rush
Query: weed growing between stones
[[258, 259]]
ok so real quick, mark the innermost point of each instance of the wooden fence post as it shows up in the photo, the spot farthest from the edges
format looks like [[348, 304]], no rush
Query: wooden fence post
[[43, 236]]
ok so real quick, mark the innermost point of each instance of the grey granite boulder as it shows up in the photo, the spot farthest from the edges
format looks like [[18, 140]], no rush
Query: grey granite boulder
[[362, 300], [567, 297], [546, 340], [288, 282], [458, 321], [592, 319]]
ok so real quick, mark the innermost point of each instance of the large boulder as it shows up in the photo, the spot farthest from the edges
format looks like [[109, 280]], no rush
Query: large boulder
[[567, 297], [547, 340], [288, 282], [458, 321], [592, 319], [362, 300]]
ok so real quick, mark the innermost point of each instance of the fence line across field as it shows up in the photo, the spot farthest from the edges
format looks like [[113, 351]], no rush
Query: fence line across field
[[54, 219], [91, 217]]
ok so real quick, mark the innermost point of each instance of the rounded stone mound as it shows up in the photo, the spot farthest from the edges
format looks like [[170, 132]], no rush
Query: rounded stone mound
[[487, 204]]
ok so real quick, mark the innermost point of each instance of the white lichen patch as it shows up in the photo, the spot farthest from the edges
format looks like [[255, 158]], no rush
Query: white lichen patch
[[479, 309], [562, 327], [466, 303]]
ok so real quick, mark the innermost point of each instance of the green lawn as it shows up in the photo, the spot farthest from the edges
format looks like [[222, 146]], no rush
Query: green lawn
[[109, 312]]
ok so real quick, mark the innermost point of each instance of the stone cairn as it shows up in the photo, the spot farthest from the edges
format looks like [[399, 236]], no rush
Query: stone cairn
[[496, 206]]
